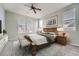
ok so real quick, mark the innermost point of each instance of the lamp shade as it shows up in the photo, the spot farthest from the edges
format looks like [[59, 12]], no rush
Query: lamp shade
[[60, 29]]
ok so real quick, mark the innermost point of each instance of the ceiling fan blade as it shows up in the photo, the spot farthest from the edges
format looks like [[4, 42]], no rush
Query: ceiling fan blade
[[34, 11], [38, 9], [32, 7]]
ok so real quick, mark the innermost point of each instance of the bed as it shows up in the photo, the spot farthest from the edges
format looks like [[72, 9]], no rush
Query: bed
[[37, 41]]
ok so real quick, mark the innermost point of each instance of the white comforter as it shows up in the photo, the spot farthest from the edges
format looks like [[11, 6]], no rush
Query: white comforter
[[38, 39]]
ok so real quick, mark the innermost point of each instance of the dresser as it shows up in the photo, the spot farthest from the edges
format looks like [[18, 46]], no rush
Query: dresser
[[61, 39]]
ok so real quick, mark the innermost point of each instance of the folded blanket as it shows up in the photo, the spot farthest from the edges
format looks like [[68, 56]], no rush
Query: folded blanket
[[50, 37]]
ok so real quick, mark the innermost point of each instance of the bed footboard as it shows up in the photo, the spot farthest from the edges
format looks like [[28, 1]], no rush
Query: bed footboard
[[33, 50]]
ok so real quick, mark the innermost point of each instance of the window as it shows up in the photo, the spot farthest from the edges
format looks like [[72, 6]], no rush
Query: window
[[69, 20], [25, 26], [40, 23], [29, 25]]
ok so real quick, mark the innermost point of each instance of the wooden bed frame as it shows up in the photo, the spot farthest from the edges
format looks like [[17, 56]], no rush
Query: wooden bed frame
[[35, 48], [50, 30]]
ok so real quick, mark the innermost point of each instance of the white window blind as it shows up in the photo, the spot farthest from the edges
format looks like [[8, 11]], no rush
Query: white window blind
[[69, 20]]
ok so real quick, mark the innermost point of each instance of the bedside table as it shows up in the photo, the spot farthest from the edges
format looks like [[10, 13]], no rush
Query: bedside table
[[61, 38]]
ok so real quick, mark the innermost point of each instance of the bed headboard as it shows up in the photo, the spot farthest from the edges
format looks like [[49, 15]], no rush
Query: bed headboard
[[50, 30]]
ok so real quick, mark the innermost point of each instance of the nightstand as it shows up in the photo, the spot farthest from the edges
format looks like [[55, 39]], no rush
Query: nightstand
[[61, 39]]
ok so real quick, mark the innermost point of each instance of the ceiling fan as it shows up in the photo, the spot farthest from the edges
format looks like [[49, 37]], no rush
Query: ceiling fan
[[32, 7]]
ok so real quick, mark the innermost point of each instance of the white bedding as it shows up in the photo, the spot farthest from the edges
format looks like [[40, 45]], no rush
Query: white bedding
[[38, 39]]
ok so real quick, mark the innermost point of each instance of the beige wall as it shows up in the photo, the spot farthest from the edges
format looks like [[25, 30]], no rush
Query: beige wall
[[11, 23], [59, 13], [74, 35]]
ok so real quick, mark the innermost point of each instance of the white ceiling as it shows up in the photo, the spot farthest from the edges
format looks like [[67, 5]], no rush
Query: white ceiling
[[47, 8]]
